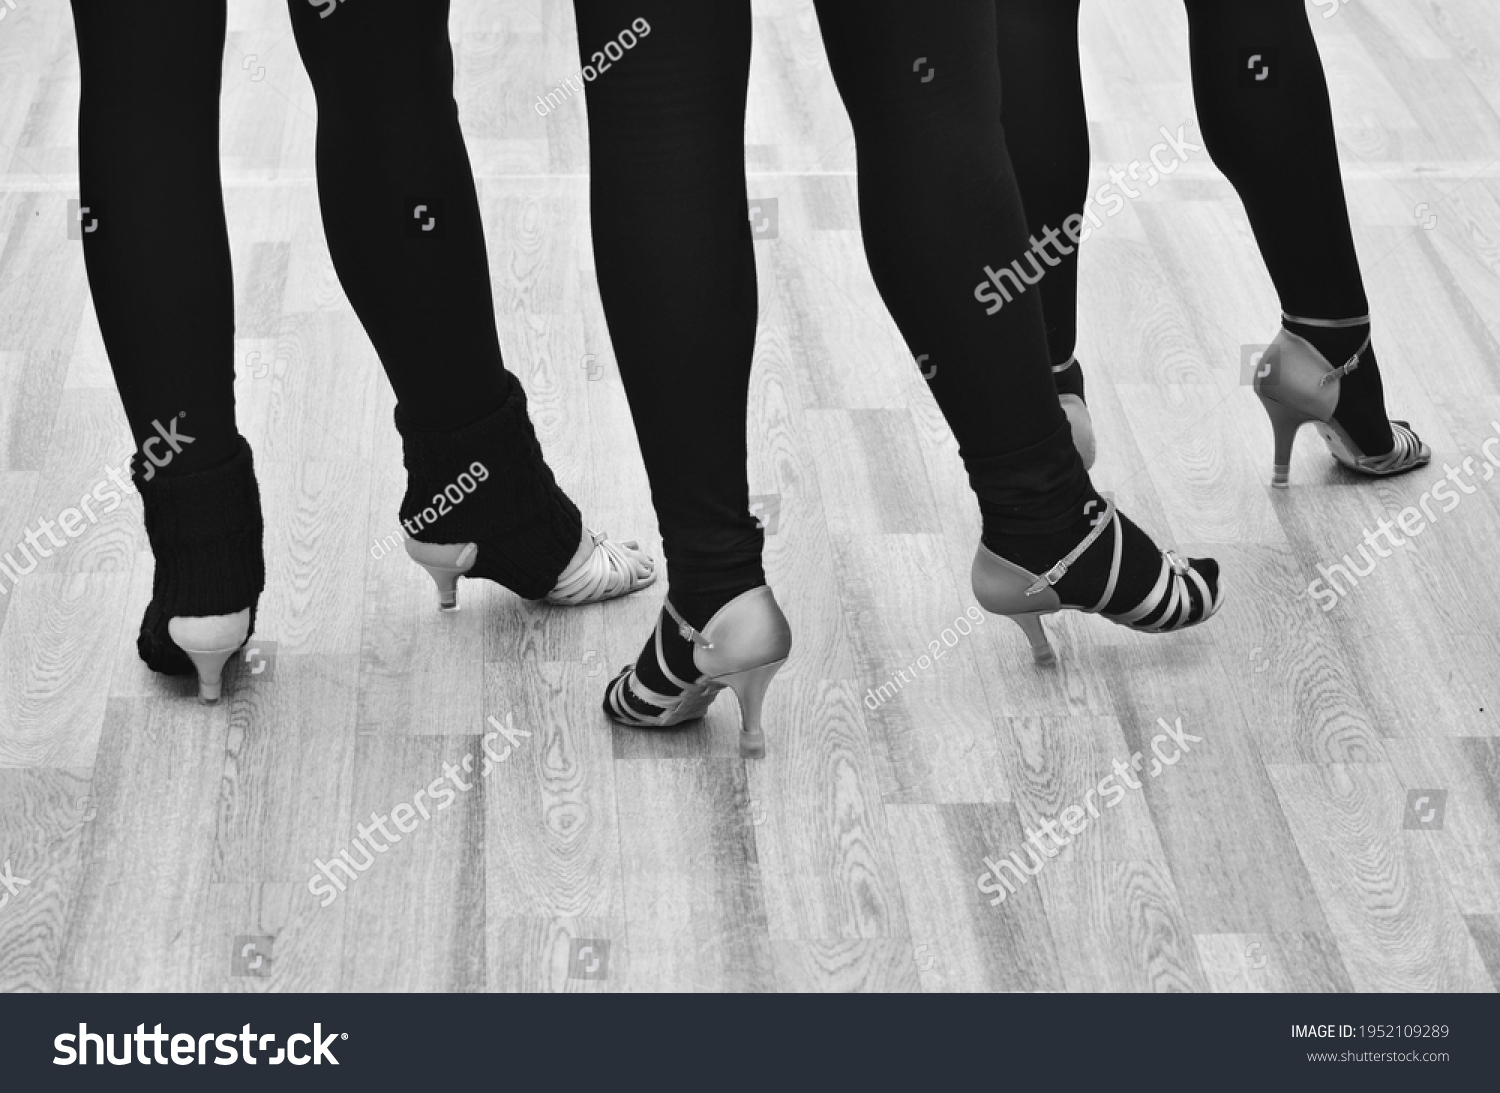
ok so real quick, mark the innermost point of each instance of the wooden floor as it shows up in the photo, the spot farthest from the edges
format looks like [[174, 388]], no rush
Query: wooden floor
[[169, 847]]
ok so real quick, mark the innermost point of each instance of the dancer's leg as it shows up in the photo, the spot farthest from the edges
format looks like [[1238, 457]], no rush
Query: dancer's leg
[[676, 270], [1047, 134], [389, 143], [157, 253], [938, 204], [1274, 140], [155, 242]]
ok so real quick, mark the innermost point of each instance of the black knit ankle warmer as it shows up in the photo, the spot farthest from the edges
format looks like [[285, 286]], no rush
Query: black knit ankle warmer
[[527, 528], [206, 534]]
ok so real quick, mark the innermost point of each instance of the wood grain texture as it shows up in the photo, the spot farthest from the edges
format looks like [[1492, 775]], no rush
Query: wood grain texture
[[1281, 852]]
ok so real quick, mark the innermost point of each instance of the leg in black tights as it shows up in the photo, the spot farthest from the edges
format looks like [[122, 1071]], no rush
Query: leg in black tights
[[158, 257], [389, 141], [1275, 144], [1047, 132], [676, 269], [938, 204], [157, 253], [937, 201], [389, 132], [159, 269]]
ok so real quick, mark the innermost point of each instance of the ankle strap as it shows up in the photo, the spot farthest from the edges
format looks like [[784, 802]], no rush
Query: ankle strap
[[1348, 366], [1057, 572], [1065, 365], [1325, 324], [1335, 324], [685, 628]]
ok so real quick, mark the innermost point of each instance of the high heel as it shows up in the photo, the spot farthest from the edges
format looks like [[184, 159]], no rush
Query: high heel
[[209, 641], [1024, 597], [742, 647], [1298, 385], [750, 689], [206, 533], [1030, 623], [445, 563], [482, 503], [609, 569], [1285, 421]]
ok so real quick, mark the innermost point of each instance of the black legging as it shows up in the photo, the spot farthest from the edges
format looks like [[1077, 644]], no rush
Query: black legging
[[676, 268], [1274, 141], [388, 138]]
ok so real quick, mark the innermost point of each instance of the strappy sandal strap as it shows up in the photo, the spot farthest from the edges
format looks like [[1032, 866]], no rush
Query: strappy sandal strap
[[608, 571], [1106, 519], [1173, 589], [1152, 600], [688, 634], [1335, 324], [626, 686], [1407, 447], [1326, 324], [1114, 564]]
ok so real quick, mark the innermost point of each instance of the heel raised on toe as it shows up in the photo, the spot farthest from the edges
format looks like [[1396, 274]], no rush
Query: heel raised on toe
[[209, 641], [445, 563]]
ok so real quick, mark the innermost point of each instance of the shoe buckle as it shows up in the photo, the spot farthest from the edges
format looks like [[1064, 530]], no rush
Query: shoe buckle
[[687, 633], [1049, 578]]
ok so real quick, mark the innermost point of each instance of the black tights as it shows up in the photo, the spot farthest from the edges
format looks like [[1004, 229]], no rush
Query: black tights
[[1272, 138], [388, 139], [676, 266], [1275, 144]]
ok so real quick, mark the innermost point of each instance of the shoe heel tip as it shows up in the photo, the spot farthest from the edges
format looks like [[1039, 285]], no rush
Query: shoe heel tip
[[209, 695], [1044, 658], [753, 746]]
